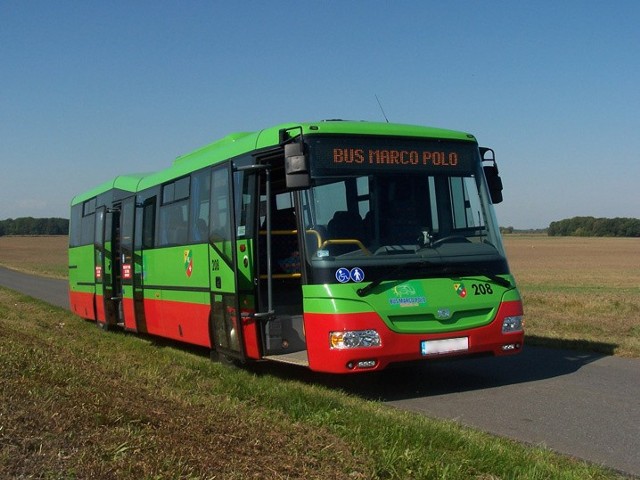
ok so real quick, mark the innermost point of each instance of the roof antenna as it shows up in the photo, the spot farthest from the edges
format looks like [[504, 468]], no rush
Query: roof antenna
[[381, 109]]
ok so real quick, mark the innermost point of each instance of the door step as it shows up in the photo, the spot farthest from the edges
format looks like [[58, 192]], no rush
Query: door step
[[293, 358]]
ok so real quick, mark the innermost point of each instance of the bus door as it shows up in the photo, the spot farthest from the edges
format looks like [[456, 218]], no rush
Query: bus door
[[279, 272], [124, 290], [107, 265], [144, 238], [225, 322]]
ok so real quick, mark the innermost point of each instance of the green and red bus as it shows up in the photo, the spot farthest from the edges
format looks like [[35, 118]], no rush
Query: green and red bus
[[341, 246]]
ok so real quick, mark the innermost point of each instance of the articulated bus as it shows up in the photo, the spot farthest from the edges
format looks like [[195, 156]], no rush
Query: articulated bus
[[340, 246]]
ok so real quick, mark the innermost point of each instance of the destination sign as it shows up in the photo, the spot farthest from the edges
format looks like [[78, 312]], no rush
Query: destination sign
[[340, 155], [395, 157]]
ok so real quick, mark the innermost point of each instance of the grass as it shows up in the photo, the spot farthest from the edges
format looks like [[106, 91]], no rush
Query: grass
[[77, 402]]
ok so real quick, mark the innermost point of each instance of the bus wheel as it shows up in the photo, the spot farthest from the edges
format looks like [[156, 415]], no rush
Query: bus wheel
[[103, 326], [223, 359]]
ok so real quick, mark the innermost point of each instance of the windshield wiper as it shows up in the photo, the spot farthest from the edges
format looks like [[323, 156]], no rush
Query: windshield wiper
[[467, 269], [364, 291]]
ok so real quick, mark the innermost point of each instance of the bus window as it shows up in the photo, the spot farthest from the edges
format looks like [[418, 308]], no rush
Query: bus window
[[88, 222], [220, 227], [174, 213], [75, 226], [200, 194], [465, 207], [149, 223]]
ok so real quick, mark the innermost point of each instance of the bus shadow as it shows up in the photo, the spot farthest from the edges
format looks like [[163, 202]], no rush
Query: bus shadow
[[444, 376], [427, 378]]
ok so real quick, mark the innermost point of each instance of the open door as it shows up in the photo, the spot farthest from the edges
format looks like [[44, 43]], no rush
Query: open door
[[143, 234], [278, 274], [225, 322], [125, 287], [107, 266]]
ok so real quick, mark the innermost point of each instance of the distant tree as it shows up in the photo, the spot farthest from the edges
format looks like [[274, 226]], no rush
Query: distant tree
[[595, 227], [34, 226]]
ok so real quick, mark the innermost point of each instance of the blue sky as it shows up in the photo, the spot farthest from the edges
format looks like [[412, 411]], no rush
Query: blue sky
[[93, 89]]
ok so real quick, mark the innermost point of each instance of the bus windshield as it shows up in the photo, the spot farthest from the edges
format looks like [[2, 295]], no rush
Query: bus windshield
[[382, 219]]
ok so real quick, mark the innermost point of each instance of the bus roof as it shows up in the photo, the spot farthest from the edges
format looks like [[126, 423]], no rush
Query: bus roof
[[128, 183], [240, 143]]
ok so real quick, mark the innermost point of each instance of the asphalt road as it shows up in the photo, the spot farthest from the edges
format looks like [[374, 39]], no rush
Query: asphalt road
[[50, 290], [577, 403]]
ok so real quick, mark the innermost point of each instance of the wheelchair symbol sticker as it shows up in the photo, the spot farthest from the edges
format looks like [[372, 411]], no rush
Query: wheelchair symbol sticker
[[342, 275]]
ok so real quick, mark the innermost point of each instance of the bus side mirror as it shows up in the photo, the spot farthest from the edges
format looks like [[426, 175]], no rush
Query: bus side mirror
[[296, 166], [494, 182]]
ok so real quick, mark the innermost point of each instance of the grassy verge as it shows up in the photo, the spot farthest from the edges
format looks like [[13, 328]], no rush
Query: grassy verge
[[77, 402]]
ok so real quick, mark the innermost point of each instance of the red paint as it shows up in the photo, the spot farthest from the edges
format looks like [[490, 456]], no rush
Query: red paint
[[81, 304], [129, 314], [250, 334], [396, 347], [185, 322], [100, 314]]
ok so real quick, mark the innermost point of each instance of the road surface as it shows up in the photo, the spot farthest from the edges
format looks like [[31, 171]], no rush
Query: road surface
[[577, 403]]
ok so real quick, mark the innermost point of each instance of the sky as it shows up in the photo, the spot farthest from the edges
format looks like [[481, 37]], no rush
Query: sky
[[94, 89]]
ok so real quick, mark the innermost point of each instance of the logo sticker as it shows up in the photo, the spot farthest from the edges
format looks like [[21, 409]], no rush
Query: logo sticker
[[460, 290], [406, 295], [188, 263]]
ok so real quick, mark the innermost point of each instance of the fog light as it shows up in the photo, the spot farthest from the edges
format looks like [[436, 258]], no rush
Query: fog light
[[354, 339], [366, 363], [512, 324], [510, 346]]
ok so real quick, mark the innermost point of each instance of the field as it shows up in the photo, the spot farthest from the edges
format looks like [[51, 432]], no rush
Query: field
[[43, 255], [578, 292]]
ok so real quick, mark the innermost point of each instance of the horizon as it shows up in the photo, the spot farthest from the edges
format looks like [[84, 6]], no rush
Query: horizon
[[502, 227], [92, 91]]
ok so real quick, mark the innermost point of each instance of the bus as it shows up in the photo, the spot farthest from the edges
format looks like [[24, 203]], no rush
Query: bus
[[337, 245]]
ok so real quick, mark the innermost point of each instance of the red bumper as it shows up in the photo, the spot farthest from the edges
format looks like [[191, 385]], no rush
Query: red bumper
[[399, 347]]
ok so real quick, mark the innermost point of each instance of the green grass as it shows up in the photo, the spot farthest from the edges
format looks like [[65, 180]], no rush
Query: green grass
[[77, 402]]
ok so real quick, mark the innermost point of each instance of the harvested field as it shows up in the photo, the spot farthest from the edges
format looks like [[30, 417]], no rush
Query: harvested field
[[43, 255], [582, 292]]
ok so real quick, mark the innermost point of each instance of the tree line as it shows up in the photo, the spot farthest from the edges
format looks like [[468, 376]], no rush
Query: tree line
[[595, 227], [34, 226]]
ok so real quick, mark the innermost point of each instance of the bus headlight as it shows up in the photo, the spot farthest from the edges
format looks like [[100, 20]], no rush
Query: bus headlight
[[354, 339], [512, 324]]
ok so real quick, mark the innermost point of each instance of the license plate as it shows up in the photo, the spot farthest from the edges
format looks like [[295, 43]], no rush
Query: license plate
[[448, 345]]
